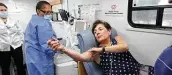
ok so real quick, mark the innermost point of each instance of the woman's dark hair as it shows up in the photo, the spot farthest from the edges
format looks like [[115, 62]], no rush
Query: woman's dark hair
[[105, 24], [41, 4], [2, 4], [169, 1]]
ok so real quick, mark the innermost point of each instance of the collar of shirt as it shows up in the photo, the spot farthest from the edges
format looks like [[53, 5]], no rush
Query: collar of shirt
[[9, 22]]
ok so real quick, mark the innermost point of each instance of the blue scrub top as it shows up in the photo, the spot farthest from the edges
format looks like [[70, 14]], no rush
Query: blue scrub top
[[163, 65], [39, 56]]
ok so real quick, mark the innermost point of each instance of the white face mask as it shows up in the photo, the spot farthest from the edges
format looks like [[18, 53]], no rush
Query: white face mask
[[48, 17], [4, 14]]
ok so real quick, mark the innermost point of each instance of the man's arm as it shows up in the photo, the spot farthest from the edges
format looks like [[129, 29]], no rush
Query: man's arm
[[56, 2]]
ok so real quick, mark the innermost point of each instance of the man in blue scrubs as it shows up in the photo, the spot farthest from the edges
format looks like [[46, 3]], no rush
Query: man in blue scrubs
[[163, 65], [39, 57]]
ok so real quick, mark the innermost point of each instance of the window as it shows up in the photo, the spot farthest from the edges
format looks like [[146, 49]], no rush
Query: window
[[150, 14]]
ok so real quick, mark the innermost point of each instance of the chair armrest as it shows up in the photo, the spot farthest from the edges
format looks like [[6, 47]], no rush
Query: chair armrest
[[81, 69]]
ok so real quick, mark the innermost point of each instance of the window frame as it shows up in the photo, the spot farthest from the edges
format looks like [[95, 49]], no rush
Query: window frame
[[159, 16]]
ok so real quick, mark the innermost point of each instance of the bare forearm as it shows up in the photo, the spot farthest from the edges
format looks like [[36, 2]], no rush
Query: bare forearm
[[76, 55], [117, 48], [121, 46], [55, 45], [56, 2]]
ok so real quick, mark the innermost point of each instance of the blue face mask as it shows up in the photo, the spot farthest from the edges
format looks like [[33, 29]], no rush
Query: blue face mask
[[48, 17], [4, 14]]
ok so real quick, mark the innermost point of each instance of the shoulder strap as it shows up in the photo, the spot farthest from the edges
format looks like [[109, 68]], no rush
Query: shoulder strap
[[114, 42]]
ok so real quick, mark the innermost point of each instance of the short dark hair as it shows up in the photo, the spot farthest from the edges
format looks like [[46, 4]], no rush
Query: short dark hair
[[2, 4], [169, 1], [105, 24], [41, 4]]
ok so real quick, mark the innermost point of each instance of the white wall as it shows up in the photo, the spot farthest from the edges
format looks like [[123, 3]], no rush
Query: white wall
[[22, 16]]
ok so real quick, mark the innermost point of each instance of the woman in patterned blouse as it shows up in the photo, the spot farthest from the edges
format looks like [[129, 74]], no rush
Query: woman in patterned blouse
[[112, 53]]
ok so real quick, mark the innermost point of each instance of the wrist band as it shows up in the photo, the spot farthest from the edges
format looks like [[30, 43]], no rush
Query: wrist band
[[103, 49]]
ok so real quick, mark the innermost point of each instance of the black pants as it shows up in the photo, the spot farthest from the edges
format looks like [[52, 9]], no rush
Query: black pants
[[5, 60]]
